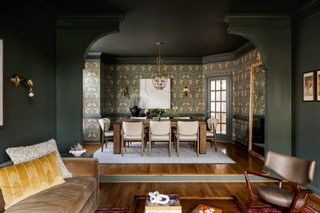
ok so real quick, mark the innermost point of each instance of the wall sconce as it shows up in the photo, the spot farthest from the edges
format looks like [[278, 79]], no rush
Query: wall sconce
[[125, 91], [186, 91], [17, 80]]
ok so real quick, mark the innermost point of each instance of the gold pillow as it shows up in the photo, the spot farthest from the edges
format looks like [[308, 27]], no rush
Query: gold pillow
[[23, 180]]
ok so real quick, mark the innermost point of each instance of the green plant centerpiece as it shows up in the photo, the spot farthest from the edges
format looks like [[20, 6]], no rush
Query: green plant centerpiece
[[158, 113]]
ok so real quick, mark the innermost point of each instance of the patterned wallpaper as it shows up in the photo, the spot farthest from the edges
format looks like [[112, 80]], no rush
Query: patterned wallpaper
[[114, 77], [91, 100]]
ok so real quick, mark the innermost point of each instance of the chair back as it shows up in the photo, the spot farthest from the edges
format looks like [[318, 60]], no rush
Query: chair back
[[293, 169], [188, 127], [212, 123], [160, 127], [132, 128], [105, 124], [182, 118]]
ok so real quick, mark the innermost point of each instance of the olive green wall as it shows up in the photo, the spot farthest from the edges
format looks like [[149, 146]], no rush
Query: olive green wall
[[29, 39], [307, 114]]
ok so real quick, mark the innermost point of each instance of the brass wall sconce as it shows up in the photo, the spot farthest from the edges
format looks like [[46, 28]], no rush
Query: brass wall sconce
[[17, 81], [125, 91], [186, 91]]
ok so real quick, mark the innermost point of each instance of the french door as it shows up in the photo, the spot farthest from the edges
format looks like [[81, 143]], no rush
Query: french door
[[218, 105]]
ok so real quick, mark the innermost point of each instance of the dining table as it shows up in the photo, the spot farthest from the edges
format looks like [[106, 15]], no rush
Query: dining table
[[117, 125]]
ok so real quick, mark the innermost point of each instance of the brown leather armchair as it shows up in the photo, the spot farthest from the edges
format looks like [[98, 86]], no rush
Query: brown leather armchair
[[294, 170]]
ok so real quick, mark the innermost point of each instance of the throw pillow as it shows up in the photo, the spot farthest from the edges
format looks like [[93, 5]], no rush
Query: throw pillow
[[27, 153], [23, 180]]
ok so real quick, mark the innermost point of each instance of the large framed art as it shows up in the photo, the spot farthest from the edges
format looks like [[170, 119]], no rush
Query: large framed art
[[1, 82], [308, 86], [318, 85], [151, 98]]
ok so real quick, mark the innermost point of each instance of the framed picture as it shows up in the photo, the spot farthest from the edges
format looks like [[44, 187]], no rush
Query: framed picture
[[151, 98], [318, 85], [1, 82], [308, 86]]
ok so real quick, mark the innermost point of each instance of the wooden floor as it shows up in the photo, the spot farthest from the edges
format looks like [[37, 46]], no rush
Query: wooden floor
[[122, 194]]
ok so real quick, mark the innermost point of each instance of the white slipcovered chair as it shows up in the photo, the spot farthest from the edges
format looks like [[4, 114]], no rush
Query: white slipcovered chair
[[105, 124], [160, 131], [132, 132], [188, 131], [211, 133]]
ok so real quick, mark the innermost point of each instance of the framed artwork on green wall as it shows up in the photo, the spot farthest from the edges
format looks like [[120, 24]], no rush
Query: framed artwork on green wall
[[1, 82], [318, 85], [308, 86]]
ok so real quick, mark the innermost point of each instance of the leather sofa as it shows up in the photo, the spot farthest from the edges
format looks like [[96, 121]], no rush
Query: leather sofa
[[79, 194]]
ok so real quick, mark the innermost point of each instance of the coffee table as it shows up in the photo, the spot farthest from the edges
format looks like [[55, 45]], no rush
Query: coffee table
[[188, 203]]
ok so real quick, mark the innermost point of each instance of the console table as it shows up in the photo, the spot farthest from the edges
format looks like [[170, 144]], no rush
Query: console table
[[117, 133]]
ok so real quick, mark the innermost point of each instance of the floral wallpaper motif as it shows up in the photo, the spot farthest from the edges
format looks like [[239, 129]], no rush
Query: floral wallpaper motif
[[91, 100], [259, 91], [115, 77]]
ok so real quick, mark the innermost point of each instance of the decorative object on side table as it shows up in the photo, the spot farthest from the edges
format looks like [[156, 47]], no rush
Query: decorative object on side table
[[160, 203], [201, 208], [77, 150], [134, 109]]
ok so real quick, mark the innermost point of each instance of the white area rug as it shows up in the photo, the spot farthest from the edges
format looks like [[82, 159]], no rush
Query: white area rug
[[160, 155]]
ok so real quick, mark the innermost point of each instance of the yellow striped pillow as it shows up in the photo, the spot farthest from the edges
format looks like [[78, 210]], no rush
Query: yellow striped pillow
[[23, 180]]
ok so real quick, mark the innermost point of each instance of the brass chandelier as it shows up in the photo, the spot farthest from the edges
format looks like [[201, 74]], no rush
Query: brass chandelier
[[159, 80]]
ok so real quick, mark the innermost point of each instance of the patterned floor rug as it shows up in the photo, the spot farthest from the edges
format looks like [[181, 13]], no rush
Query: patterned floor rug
[[160, 155], [267, 209]]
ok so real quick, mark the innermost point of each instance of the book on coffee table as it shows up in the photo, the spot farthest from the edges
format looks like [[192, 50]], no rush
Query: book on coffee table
[[201, 208], [172, 207]]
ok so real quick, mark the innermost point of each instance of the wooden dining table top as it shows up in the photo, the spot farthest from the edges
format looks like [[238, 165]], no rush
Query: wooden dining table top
[[147, 121]]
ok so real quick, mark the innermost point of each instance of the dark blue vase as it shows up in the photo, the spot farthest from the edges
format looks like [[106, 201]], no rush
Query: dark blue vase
[[135, 111]]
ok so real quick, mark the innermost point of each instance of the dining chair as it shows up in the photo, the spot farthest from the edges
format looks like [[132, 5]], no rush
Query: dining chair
[[211, 133], [296, 171], [105, 124], [132, 132], [187, 131], [160, 131]]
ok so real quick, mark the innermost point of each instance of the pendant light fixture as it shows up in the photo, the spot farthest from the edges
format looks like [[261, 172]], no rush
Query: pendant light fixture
[[159, 80]]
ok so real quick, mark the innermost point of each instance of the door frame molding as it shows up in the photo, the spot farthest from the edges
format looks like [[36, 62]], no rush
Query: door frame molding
[[229, 75]]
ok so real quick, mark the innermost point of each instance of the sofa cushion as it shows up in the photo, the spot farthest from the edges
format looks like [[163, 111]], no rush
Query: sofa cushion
[[23, 180], [70, 196], [27, 153]]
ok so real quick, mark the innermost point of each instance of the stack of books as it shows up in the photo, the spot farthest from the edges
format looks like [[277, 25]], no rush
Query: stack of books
[[172, 207], [201, 208]]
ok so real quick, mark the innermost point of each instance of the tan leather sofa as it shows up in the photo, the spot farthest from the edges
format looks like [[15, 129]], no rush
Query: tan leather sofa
[[78, 194]]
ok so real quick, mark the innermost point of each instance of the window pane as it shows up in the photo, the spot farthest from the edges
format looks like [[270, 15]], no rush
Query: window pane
[[223, 107], [224, 84], [213, 115], [218, 96], [223, 129], [218, 106], [218, 117], [218, 85], [213, 85], [213, 107], [218, 131], [224, 95], [223, 117], [213, 96]]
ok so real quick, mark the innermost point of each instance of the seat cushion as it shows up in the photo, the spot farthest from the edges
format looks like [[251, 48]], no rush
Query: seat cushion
[[108, 133], [209, 133], [278, 196], [70, 196], [160, 137], [188, 137], [133, 137]]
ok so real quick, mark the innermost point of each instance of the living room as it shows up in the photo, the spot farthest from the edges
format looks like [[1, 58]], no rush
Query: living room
[[48, 42]]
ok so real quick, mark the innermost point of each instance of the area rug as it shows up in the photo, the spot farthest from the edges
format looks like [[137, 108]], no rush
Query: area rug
[[308, 208], [112, 210], [160, 155]]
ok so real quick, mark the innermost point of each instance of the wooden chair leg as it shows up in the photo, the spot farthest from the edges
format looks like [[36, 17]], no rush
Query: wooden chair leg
[[102, 143], [142, 147], [169, 144], [106, 142], [150, 147], [178, 147], [122, 146]]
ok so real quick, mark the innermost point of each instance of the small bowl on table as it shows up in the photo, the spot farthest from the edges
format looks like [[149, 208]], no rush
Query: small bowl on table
[[77, 153]]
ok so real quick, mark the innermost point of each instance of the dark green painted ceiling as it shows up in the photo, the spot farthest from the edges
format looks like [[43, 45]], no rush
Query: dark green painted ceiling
[[187, 28]]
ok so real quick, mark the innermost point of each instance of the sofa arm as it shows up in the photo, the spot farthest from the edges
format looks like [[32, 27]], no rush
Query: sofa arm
[[82, 166]]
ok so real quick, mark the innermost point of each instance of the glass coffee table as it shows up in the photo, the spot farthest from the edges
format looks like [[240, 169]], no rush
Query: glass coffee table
[[188, 203]]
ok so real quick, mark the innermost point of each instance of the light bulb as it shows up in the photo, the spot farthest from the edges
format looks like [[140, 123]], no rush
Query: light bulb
[[31, 94]]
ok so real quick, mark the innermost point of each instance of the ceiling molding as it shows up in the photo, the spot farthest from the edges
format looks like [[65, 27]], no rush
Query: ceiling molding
[[306, 11], [265, 20], [108, 59], [88, 21]]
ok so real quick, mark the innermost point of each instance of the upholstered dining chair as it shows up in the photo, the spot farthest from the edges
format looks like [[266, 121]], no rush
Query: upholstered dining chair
[[211, 133], [296, 171], [132, 132], [160, 131], [187, 131], [105, 124]]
